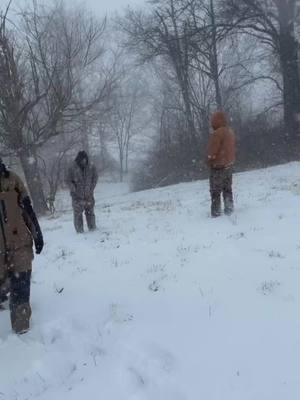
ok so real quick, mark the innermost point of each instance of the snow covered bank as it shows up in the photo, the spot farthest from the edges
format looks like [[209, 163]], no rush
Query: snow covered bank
[[165, 303]]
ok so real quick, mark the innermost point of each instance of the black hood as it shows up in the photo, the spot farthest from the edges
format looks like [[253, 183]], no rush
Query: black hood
[[82, 155]]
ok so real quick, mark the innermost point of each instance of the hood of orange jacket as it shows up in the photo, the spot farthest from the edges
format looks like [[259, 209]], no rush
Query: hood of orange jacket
[[219, 120]]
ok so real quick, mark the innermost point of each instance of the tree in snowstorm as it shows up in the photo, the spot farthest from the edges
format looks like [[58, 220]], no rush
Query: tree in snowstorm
[[126, 105], [15, 107], [51, 165], [163, 33], [41, 73], [274, 23]]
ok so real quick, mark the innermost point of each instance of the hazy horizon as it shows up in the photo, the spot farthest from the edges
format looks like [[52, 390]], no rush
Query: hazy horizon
[[99, 7]]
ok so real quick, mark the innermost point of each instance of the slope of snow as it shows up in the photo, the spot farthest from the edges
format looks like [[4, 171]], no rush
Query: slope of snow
[[165, 303]]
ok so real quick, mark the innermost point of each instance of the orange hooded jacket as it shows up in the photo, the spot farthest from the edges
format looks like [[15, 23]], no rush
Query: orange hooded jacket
[[221, 145]]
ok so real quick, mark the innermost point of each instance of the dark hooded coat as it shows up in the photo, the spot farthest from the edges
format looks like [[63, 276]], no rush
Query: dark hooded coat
[[82, 179]]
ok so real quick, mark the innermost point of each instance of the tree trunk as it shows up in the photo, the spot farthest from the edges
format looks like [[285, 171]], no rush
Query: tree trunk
[[184, 80], [128, 137], [188, 112], [121, 159], [288, 52], [179, 52], [214, 58], [84, 134], [121, 171], [126, 162], [30, 167]]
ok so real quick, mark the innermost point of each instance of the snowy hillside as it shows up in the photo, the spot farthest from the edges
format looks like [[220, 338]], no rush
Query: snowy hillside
[[164, 303]]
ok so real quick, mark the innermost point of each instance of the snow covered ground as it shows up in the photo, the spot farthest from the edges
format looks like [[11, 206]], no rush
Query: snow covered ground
[[164, 303]]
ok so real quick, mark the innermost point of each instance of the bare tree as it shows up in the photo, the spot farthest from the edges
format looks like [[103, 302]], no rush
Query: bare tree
[[274, 23], [188, 37], [16, 104], [123, 122], [52, 170], [163, 33], [44, 76]]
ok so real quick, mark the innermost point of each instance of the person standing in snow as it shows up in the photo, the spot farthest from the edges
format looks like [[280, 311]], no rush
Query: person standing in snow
[[82, 179], [19, 228], [220, 158]]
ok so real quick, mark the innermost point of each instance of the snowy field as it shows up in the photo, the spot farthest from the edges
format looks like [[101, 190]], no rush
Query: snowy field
[[164, 303]]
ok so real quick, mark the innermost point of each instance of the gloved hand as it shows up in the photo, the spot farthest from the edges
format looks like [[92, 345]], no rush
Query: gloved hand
[[39, 244], [33, 224]]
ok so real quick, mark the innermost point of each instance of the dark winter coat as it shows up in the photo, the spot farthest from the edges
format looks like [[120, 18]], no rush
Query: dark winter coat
[[82, 179], [221, 146], [18, 226]]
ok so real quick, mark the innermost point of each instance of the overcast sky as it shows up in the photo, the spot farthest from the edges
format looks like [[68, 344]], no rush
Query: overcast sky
[[104, 6], [99, 6]]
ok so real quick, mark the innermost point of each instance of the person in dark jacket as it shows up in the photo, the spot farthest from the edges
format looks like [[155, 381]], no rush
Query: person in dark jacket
[[82, 179], [220, 158], [19, 228]]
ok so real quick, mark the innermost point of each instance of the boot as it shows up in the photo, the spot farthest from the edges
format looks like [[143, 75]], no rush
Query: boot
[[228, 204], [4, 290], [90, 218], [20, 318], [215, 205], [228, 211], [4, 304]]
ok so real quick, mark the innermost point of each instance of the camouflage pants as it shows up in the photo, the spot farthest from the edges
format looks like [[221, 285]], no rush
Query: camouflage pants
[[221, 183], [87, 207]]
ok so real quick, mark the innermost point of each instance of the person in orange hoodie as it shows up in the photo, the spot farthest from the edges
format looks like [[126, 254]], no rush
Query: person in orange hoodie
[[220, 158]]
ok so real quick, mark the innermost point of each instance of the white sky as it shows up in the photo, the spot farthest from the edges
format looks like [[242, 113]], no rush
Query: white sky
[[106, 6], [100, 7]]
